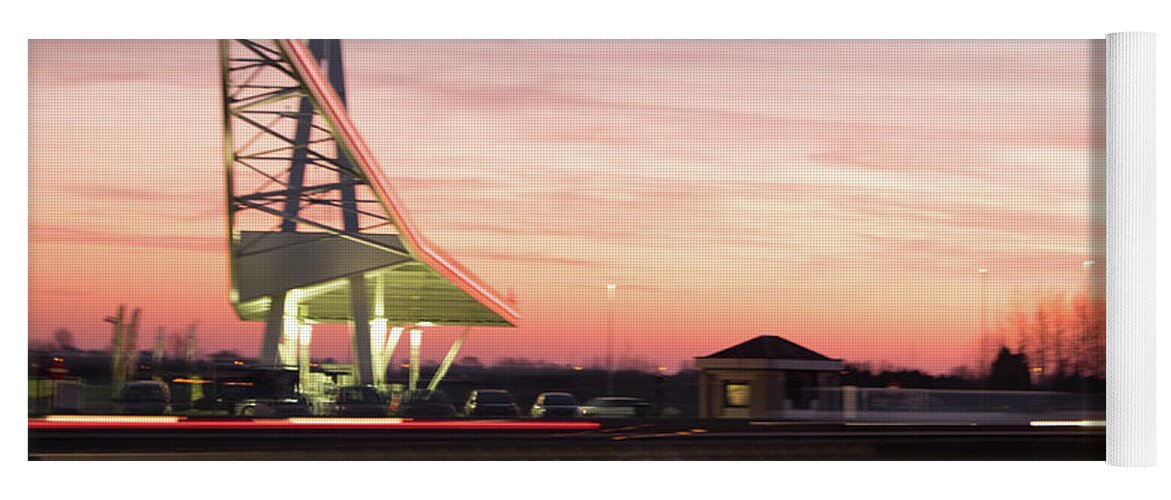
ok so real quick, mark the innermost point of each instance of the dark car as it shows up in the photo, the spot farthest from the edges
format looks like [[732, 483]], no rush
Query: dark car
[[555, 405], [222, 400], [235, 390], [145, 397], [422, 404], [617, 407], [490, 403], [360, 401]]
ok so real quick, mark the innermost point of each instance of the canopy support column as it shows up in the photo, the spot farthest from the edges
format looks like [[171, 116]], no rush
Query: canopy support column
[[288, 351], [447, 360], [360, 342], [377, 349], [391, 344], [270, 345], [416, 341], [378, 326], [304, 337]]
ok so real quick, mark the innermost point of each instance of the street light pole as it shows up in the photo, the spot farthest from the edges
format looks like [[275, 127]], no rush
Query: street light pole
[[983, 319], [1083, 363], [611, 291], [1088, 267]]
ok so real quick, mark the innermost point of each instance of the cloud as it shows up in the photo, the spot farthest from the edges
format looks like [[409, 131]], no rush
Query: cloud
[[531, 258], [440, 183], [801, 186], [62, 234], [138, 195]]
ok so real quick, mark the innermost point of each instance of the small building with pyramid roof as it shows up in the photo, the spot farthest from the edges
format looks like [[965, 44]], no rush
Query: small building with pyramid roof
[[768, 377]]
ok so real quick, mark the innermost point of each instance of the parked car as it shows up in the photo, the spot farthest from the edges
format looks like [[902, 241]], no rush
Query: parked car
[[222, 400], [422, 404], [555, 405], [145, 397], [360, 401], [490, 403], [615, 407], [296, 406], [232, 389]]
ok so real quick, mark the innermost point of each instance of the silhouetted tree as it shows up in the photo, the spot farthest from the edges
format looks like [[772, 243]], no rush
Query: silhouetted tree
[[225, 356], [1009, 371], [64, 339], [178, 345], [866, 375], [471, 362], [1063, 336]]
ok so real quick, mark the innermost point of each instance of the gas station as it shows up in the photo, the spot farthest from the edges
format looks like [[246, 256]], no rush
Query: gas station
[[316, 235]]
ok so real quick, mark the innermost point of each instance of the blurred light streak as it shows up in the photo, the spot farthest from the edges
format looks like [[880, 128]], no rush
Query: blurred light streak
[[113, 418], [1067, 423], [345, 421], [64, 422]]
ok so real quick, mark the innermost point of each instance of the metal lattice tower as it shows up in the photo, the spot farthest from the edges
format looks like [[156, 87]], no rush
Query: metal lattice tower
[[316, 235]]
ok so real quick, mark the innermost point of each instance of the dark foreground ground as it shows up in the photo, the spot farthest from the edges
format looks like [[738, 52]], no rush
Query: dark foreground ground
[[612, 440]]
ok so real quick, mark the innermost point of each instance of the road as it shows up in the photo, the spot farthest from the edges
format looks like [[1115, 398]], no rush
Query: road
[[610, 440]]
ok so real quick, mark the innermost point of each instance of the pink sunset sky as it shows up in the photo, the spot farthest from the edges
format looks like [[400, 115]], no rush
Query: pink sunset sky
[[841, 194]]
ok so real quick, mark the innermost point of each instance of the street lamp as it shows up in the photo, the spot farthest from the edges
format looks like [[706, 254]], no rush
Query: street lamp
[[983, 272], [611, 292], [1089, 281]]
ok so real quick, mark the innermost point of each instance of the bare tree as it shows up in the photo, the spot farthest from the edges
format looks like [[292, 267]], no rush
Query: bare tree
[[1091, 335], [64, 339], [1061, 335], [178, 344]]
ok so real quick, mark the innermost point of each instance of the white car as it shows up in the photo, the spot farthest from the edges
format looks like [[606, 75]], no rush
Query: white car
[[615, 407]]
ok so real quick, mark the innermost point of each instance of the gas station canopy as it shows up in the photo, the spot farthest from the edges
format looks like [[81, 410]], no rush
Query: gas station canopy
[[282, 154]]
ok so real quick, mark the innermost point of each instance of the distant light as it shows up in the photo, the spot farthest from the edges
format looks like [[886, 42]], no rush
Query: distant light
[[1038, 369], [611, 287], [662, 369], [1088, 263], [982, 270], [238, 363], [404, 365], [182, 380], [577, 368]]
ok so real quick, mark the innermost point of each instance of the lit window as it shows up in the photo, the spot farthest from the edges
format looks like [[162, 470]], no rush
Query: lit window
[[736, 394]]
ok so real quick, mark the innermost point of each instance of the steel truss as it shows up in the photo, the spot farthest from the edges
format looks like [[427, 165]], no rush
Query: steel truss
[[285, 166], [293, 183]]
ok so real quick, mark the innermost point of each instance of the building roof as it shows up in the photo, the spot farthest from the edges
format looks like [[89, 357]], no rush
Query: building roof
[[768, 347]]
